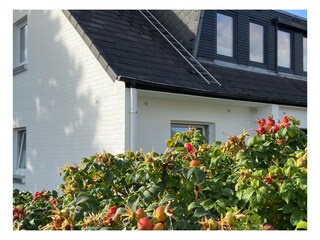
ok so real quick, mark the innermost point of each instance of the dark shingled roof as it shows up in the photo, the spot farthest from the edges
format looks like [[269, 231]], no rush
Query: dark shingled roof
[[131, 50]]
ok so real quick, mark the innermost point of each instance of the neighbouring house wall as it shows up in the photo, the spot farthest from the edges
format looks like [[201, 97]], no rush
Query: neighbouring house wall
[[68, 104], [155, 116]]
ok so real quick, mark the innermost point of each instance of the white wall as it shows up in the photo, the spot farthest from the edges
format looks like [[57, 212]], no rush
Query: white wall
[[67, 102], [157, 110], [298, 113], [156, 113]]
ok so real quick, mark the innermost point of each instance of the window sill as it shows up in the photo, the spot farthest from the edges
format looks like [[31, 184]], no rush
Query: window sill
[[19, 179], [20, 68]]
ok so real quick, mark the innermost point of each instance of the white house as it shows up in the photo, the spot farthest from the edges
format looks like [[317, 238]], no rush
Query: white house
[[85, 81]]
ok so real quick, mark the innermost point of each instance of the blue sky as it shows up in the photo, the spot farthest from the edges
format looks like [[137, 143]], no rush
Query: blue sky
[[301, 13]]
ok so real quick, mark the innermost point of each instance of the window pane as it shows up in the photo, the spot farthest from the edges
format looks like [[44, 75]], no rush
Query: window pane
[[305, 46], [284, 55], [21, 149], [224, 35], [23, 43], [256, 43], [175, 128]]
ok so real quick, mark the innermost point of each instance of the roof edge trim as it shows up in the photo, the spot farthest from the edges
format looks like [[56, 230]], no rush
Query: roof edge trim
[[93, 48]]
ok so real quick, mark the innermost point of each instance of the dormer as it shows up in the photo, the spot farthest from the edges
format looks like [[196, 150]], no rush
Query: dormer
[[266, 41]]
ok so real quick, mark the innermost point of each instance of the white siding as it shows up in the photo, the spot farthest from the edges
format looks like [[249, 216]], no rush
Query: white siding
[[68, 104], [298, 113], [157, 110], [155, 116]]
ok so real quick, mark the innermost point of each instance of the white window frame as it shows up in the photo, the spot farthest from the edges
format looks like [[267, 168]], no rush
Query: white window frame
[[207, 128], [19, 145], [20, 64]]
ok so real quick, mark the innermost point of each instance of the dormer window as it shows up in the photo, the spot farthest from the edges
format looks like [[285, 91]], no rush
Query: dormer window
[[284, 49], [225, 35], [256, 43]]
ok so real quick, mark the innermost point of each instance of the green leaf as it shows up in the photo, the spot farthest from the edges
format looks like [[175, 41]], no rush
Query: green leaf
[[221, 205], [133, 202], [166, 198], [200, 175], [147, 194], [207, 204], [302, 225], [296, 217], [263, 191], [190, 172], [287, 192], [154, 190], [258, 173], [120, 211], [255, 183], [200, 212], [193, 205], [227, 192], [288, 208], [152, 206], [81, 199], [247, 194]]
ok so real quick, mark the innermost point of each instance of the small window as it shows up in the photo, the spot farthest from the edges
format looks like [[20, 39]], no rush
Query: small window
[[23, 43], [206, 129], [20, 142], [176, 127], [20, 45], [256, 43], [224, 35], [284, 49], [305, 47]]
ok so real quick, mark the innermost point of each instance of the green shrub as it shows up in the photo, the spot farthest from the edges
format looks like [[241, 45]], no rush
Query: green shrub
[[242, 184]]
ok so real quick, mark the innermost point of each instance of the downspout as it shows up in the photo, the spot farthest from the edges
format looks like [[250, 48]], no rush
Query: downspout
[[133, 118]]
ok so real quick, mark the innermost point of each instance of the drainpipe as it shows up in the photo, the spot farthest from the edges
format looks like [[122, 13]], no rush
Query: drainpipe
[[133, 118]]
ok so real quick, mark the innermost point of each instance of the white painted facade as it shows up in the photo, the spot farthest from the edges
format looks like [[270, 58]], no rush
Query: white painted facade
[[156, 112], [69, 105], [72, 109]]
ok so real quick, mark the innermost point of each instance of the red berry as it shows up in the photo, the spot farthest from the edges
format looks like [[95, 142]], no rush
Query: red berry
[[268, 180], [144, 223], [267, 227], [261, 130], [270, 122], [194, 163], [287, 124], [285, 119], [261, 122], [274, 129], [53, 201], [15, 217], [112, 210], [15, 210], [188, 146]]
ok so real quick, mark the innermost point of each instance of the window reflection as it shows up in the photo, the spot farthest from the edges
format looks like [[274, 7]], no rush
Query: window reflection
[[284, 54], [256, 43], [224, 35], [305, 46]]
